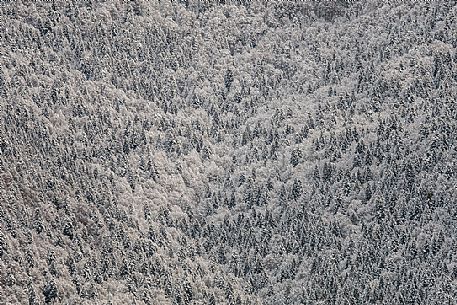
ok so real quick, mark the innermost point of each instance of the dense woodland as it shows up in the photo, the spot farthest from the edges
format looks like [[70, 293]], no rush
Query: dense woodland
[[228, 152]]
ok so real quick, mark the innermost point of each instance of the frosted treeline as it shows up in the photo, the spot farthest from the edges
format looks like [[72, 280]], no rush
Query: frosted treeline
[[228, 152]]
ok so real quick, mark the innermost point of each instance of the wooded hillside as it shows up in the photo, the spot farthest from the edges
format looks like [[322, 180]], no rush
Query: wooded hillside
[[228, 152]]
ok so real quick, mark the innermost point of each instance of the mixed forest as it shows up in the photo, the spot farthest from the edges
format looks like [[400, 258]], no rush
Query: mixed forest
[[228, 152]]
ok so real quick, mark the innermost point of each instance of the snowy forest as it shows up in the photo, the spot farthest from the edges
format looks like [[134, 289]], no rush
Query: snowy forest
[[228, 152]]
